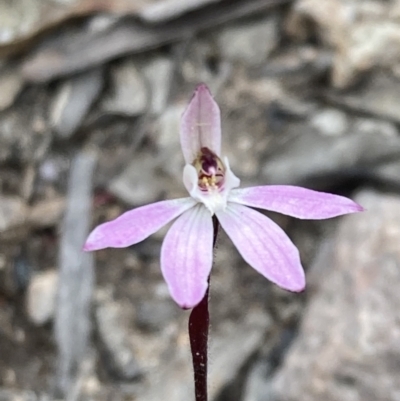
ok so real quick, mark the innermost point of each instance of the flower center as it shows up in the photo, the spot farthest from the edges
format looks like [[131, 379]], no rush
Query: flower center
[[210, 170]]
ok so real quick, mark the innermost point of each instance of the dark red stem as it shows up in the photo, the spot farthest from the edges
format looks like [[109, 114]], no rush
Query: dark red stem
[[198, 333]]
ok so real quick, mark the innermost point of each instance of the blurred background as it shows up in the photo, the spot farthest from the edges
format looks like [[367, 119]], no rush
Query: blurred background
[[91, 93]]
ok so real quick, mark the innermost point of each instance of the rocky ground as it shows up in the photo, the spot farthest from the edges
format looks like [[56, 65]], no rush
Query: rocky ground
[[91, 93]]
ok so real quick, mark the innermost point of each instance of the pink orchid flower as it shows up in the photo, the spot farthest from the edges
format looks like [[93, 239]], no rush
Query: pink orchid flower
[[187, 250]]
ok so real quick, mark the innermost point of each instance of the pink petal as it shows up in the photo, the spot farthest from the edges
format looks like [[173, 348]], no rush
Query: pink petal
[[186, 256], [295, 201], [264, 246], [200, 125], [136, 225]]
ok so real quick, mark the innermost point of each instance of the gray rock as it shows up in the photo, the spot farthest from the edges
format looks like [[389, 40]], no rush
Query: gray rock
[[46, 213], [153, 315], [248, 139], [11, 83], [330, 122], [41, 297], [348, 345], [139, 183], [309, 153], [389, 171], [158, 72], [379, 96], [24, 132], [173, 376], [169, 9], [73, 101], [13, 212], [258, 383], [230, 355], [71, 53], [129, 94], [115, 334], [18, 19], [359, 32], [230, 347], [296, 65], [168, 140], [249, 42], [18, 395]]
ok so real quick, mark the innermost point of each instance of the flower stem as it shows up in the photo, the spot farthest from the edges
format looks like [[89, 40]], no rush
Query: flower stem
[[198, 333]]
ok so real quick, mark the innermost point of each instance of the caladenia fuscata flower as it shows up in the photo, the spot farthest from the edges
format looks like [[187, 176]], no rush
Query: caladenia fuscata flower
[[187, 250]]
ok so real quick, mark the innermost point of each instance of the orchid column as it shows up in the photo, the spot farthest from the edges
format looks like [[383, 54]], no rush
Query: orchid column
[[187, 250]]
